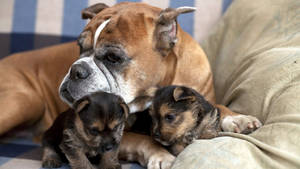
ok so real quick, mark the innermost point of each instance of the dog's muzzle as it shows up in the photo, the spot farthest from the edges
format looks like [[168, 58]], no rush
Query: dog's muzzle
[[83, 78]]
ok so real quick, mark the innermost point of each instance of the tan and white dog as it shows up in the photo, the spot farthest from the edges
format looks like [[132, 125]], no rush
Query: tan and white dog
[[126, 49]]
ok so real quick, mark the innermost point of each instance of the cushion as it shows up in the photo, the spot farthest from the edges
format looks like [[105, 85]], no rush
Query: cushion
[[255, 56]]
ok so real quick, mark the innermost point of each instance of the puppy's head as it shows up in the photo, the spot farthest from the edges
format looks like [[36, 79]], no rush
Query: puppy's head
[[175, 112], [100, 121]]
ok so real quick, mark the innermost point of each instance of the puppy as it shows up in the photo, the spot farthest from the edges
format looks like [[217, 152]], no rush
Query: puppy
[[180, 115], [94, 128]]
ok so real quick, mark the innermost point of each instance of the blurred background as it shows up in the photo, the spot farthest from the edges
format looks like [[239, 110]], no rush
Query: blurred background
[[32, 24]]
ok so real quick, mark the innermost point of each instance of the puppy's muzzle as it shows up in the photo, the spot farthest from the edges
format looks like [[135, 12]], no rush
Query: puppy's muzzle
[[107, 147], [156, 135]]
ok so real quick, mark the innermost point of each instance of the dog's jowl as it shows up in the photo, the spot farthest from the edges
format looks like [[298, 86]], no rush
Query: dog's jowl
[[93, 129]]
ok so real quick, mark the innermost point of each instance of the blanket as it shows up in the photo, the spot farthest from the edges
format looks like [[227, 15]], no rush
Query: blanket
[[255, 57]]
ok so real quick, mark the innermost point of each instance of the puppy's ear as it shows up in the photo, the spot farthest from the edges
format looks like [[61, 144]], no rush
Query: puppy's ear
[[81, 104], [90, 12], [166, 28], [181, 93], [124, 107]]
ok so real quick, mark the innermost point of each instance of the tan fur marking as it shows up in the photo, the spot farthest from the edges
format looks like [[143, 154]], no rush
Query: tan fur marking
[[98, 124], [80, 128], [178, 131], [164, 109], [113, 124]]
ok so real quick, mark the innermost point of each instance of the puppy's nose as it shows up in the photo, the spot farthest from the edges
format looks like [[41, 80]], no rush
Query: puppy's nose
[[156, 134], [78, 72], [107, 147]]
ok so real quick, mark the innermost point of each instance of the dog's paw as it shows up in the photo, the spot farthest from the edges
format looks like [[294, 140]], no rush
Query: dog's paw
[[240, 124], [161, 160], [51, 163]]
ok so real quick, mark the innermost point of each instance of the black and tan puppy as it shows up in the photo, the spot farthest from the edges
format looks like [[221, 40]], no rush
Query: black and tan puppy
[[180, 115], [94, 128]]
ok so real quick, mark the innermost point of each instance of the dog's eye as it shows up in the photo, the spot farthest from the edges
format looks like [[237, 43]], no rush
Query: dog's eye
[[112, 58], [94, 131], [169, 117], [117, 127]]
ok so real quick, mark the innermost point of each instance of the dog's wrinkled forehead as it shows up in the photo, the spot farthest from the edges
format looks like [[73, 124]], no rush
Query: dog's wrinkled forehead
[[120, 24]]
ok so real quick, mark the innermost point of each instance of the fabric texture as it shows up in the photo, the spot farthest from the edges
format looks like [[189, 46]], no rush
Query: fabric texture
[[20, 152], [255, 56]]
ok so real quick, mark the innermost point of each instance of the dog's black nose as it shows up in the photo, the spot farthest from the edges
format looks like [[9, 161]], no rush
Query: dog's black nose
[[107, 147], [79, 72]]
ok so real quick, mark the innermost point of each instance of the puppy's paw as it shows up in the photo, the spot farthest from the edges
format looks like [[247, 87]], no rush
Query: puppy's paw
[[240, 124], [51, 163], [161, 160]]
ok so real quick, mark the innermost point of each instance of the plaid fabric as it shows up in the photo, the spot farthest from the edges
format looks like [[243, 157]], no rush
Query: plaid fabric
[[22, 153], [32, 24]]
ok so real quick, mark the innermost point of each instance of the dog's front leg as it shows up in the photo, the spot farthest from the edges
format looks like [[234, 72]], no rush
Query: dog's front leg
[[177, 148], [141, 148], [77, 159], [75, 155], [109, 160], [235, 122]]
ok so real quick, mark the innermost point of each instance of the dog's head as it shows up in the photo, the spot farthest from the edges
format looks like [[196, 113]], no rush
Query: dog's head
[[175, 112], [101, 120], [125, 49]]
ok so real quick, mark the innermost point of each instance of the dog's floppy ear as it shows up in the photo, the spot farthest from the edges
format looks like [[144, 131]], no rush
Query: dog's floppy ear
[[181, 93], [90, 12], [166, 28]]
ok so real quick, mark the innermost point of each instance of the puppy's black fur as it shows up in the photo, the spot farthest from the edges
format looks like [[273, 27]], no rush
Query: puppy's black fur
[[93, 128], [180, 115]]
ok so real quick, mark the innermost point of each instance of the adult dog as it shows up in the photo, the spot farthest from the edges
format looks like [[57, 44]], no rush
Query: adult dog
[[130, 47]]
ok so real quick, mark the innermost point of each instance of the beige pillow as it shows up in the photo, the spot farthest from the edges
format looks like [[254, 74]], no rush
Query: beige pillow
[[255, 57]]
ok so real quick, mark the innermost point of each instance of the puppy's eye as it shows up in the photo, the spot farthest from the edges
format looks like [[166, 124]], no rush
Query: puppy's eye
[[169, 117], [117, 127], [94, 131]]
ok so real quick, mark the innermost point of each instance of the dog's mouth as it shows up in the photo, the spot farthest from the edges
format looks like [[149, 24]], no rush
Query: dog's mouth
[[83, 78], [163, 142], [66, 95]]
